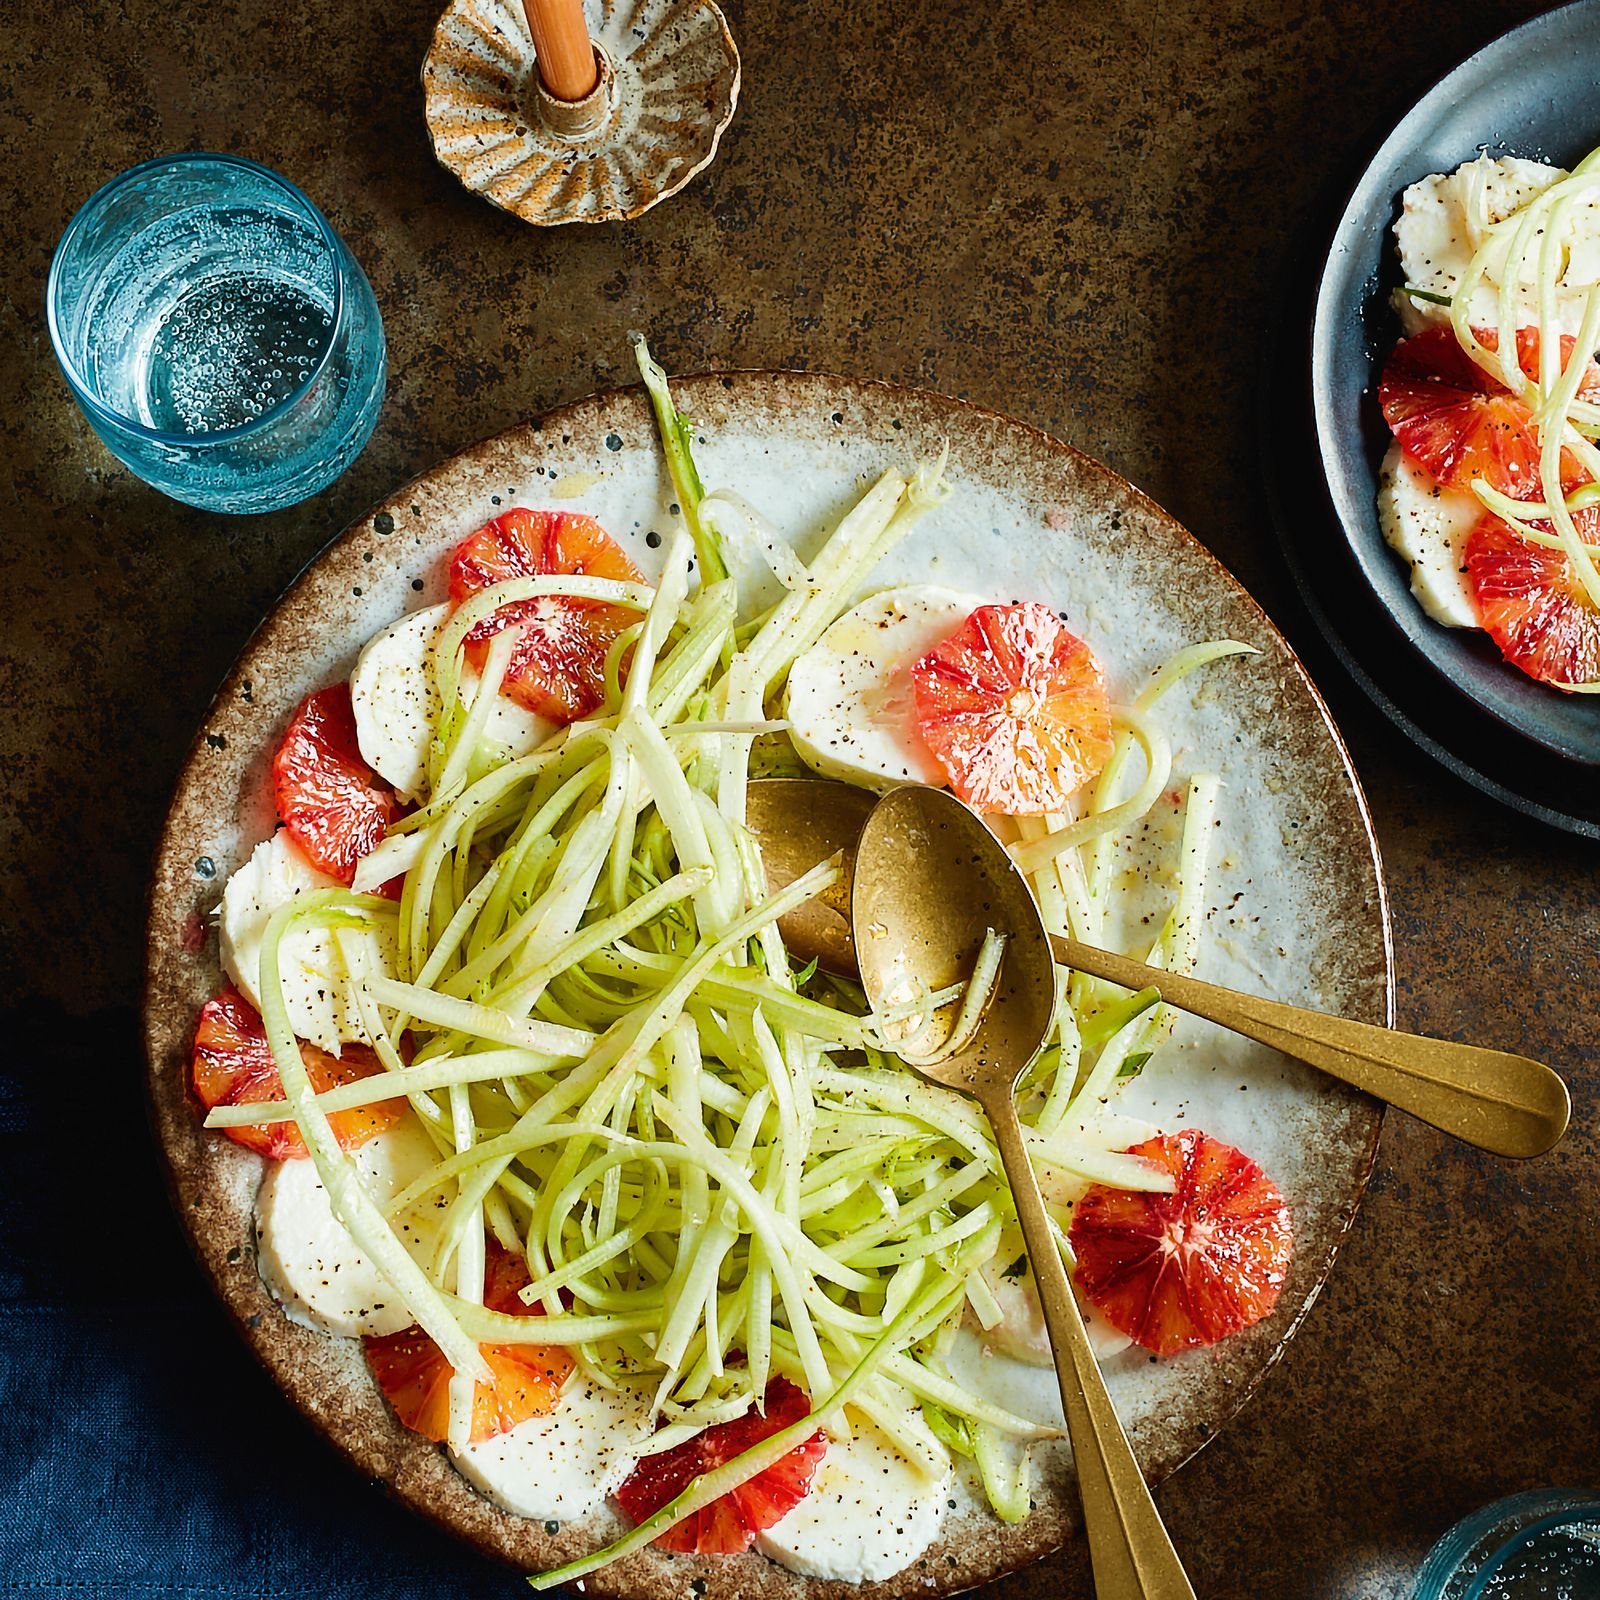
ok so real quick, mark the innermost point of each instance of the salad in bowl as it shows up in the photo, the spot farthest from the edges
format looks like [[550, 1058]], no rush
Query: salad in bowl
[[1490, 490]]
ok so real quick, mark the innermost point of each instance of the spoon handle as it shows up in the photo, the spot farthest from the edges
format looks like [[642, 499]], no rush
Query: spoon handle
[[1133, 1557], [1502, 1103]]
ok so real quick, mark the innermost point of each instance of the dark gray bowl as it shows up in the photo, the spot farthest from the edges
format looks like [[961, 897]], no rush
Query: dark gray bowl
[[1533, 92]]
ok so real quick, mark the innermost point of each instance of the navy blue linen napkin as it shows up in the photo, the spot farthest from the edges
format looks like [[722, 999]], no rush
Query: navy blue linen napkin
[[144, 1452]]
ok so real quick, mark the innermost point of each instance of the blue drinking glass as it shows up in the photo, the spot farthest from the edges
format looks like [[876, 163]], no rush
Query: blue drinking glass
[[218, 335], [1541, 1545]]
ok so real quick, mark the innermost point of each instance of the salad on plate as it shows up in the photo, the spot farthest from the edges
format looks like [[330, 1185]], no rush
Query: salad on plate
[[1490, 490], [638, 1218]]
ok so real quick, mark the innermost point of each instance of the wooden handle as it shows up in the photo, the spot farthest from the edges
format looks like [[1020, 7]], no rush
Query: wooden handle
[[1502, 1103], [1133, 1557], [562, 51]]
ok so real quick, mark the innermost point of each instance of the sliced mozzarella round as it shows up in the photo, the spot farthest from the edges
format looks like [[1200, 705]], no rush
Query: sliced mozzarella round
[[311, 962], [1441, 226], [306, 1256], [397, 706], [1016, 1371], [1428, 525], [850, 707], [564, 1465], [1021, 1332], [870, 1513]]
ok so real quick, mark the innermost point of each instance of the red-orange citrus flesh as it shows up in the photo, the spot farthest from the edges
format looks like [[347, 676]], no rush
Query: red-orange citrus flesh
[[1532, 603], [527, 1378], [1460, 422], [558, 666], [334, 806], [1172, 1271], [233, 1066], [1015, 708], [731, 1522]]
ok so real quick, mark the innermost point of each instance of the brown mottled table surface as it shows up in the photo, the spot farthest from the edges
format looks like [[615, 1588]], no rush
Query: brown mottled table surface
[[1079, 214]]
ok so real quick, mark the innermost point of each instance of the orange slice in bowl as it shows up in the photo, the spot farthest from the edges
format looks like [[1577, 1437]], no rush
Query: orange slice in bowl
[[1458, 422], [1533, 604], [233, 1066], [733, 1521], [558, 666], [334, 806], [526, 1378]]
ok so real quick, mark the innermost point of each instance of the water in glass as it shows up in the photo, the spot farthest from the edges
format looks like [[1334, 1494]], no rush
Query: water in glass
[[222, 340]]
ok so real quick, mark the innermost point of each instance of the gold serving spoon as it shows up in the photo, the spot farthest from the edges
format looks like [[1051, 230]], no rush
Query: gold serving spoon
[[930, 883], [1502, 1103]]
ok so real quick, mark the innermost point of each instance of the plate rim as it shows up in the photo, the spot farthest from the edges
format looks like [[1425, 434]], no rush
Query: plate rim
[[351, 1450]]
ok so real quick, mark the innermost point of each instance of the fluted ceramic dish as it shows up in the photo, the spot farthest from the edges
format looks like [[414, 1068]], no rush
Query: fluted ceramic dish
[[669, 86], [1299, 909]]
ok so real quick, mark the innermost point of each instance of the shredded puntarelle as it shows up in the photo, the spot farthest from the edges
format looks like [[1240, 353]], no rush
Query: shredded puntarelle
[[713, 1167]]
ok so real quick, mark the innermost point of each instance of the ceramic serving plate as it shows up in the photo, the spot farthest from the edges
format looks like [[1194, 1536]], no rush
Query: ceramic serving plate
[[1531, 93], [1297, 898]]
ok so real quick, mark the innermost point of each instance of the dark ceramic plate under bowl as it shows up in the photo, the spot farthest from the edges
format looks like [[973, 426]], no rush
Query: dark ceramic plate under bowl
[[1533, 92]]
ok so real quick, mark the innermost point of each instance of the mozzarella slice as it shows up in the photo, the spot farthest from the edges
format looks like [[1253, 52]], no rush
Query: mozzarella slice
[[565, 1465], [1024, 1387], [315, 977], [1021, 1332], [306, 1256], [1441, 227], [870, 1513], [1428, 525], [850, 708], [397, 706]]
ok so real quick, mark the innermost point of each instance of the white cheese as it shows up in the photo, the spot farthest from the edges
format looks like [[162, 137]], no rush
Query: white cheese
[[306, 1256], [315, 977], [1428, 525], [1028, 1386], [850, 707], [870, 1513], [1441, 226], [1021, 1332], [562, 1466], [397, 706]]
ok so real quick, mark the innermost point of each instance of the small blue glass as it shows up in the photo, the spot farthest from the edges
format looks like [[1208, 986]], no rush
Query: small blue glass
[[220, 338], [1542, 1545]]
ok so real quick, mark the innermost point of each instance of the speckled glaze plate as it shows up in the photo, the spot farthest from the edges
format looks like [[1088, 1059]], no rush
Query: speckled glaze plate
[[1298, 904]]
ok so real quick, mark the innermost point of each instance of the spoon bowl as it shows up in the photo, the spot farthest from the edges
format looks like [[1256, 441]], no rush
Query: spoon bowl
[[799, 822], [925, 895]]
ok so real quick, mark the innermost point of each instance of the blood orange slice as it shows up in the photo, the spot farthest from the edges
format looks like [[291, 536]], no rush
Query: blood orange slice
[[1528, 357], [1453, 418], [527, 1378], [1172, 1271], [1015, 709], [333, 804], [733, 1521], [233, 1066], [558, 666], [1532, 603]]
